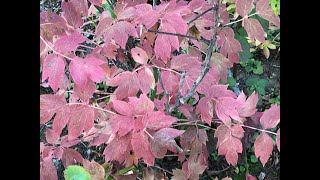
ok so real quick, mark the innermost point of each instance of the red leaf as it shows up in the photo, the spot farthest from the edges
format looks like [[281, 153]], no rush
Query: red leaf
[[184, 62], [121, 124], [49, 105], [226, 109], [176, 21], [99, 139], [48, 170], [264, 10], [250, 177], [53, 68], [71, 157], [229, 143], [128, 84], [51, 136], [205, 107], [141, 105], [170, 82], [82, 69], [141, 147], [82, 118], [69, 43], [102, 26], [163, 140], [71, 14], [278, 139], [270, 117], [229, 45], [120, 32], [68, 143], [146, 80], [247, 108], [146, 15], [139, 55], [94, 169], [157, 119], [87, 93], [244, 7], [221, 64], [254, 29], [123, 108], [263, 147], [117, 148]]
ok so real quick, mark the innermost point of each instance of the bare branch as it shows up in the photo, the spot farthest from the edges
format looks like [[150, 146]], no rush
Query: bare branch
[[199, 15], [183, 77], [205, 66]]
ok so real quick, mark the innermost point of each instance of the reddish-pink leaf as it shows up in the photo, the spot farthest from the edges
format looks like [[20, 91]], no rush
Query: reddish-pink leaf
[[123, 11], [226, 109], [139, 55], [263, 147], [94, 169], [247, 108], [123, 107], [146, 15], [270, 117], [87, 93], [82, 118], [69, 42], [117, 148], [120, 32], [121, 124], [82, 69], [264, 10], [141, 147], [163, 140], [278, 139], [49, 105], [48, 170], [102, 26], [221, 64], [68, 143], [71, 14], [254, 29], [175, 20], [157, 119], [205, 107], [71, 157], [141, 105], [184, 62], [170, 82], [53, 68], [52, 137], [146, 80], [128, 84], [250, 177], [229, 143], [230, 47], [99, 139], [244, 7]]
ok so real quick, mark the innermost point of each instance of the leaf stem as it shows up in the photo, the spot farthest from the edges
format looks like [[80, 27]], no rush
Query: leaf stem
[[92, 107], [240, 19], [199, 15], [54, 50]]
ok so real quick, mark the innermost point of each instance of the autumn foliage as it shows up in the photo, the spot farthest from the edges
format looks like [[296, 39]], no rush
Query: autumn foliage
[[148, 81]]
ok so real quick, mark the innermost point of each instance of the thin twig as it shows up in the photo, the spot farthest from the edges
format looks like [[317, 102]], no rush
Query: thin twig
[[205, 67], [182, 78], [165, 69], [240, 19], [54, 50], [199, 15], [217, 172], [144, 130], [167, 94], [163, 170]]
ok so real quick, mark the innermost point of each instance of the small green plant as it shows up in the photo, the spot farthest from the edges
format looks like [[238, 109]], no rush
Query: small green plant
[[252, 66], [75, 172], [257, 85], [275, 100]]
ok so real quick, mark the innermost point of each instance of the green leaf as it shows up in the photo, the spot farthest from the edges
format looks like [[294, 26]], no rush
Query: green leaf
[[125, 170], [258, 70], [261, 90], [242, 169], [75, 172], [107, 7], [262, 83], [251, 81], [248, 68], [253, 159], [264, 23], [275, 5], [236, 170], [231, 81], [245, 55]]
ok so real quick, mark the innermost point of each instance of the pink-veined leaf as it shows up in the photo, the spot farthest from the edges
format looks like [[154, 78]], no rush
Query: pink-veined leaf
[[205, 107], [226, 109], [102, 25], [250, 177], [247, 107], [278, 139], [229, 143], [71, 14], [66, 143], [141, 147], [120, 32], [265, 11], [146, 15], [82, 118], [48, 170], [71, 157], [254, 29], [163, 140], [139, 55], [123, 108], [184, 62], [94, 169], [141, 105], [146, 79], [51, 136], [170, 82], [116, 149], [270, 117], [221, 64], [69, 42], [99, 139], [128, 84], [53, 68], [87, 93], [82, 69], [263, 147], [230, 47], [121, 124], [157, 119], [244, 7]]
